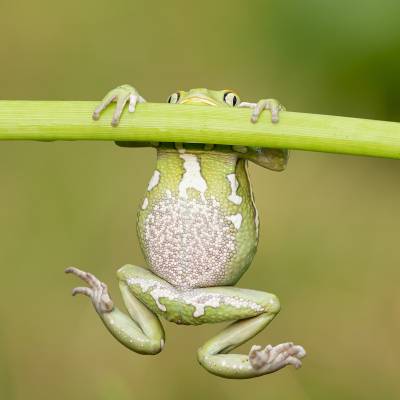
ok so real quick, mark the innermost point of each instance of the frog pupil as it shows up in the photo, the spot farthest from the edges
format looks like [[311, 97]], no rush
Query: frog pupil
[[173, 98]]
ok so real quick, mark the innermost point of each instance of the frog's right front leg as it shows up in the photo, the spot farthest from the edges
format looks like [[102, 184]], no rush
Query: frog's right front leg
[[121, 95], [142, 332]]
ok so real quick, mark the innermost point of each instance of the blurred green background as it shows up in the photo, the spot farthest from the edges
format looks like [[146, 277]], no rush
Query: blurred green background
[[330, 224]]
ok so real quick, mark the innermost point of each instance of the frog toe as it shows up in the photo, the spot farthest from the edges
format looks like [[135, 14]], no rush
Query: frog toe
[[97, 290], [274, 358], [121, 95]]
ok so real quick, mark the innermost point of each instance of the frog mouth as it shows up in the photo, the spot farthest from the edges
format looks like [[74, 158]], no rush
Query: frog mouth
[[197, 100]]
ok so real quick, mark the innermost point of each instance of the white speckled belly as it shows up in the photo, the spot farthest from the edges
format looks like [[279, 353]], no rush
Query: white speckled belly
[[188, 242]]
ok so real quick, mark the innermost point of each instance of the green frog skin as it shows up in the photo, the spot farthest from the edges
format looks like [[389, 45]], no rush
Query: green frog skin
[[198, 229]]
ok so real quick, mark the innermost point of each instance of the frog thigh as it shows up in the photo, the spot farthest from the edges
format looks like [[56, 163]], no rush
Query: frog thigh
[[194, 306]]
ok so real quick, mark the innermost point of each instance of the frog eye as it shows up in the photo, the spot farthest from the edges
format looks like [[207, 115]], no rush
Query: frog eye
[[174, 98], [231, 99]]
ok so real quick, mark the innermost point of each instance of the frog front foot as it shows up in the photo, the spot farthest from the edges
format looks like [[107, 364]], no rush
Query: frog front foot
[[97, 292], [121, 95], [273, 358], [264, 104]]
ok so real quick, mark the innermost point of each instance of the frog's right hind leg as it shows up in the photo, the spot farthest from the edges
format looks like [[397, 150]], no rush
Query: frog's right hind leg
[[142, 332]]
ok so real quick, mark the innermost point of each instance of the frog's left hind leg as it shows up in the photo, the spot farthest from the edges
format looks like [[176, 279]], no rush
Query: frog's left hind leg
[[142, 332], [260, 361]]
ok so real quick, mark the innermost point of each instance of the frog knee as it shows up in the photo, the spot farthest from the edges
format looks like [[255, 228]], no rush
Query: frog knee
[[272, 304], [203, 357], [154, 347], [123, 271], [129, 271]]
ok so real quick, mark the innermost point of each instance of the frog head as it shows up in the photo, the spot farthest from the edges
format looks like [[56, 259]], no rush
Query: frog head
[[205, 97]]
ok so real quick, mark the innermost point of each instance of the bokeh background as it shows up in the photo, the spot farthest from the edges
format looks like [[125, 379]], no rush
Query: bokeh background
[[330, 224]]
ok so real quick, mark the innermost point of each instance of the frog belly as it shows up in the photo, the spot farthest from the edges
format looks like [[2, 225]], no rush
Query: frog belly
[[188, 242], [198, 225], [192, 243]]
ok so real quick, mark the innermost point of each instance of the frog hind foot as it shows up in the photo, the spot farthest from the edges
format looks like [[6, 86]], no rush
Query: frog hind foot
[[140, 330], [215, 354], [273, 358], [97, 290]]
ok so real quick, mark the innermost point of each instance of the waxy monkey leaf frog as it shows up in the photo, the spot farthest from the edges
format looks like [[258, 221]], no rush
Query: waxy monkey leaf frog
[[198, 228]]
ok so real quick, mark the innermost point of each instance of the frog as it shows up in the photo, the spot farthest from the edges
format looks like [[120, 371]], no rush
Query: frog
[[198, 228]]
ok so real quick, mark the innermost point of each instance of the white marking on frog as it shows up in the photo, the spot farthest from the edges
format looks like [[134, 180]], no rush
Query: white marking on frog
[[192, 177], [197, 298], [145, 203], [234, 197], [156, 290], [236, 220], [181, 150], [256, 218], [154, 180]]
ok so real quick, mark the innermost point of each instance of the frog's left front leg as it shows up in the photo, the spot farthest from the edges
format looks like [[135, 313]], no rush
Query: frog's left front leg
[[142, 332], [264, 104], [274, 159]]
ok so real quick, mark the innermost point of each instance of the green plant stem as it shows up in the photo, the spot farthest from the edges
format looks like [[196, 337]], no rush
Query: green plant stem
[[153, 122]]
